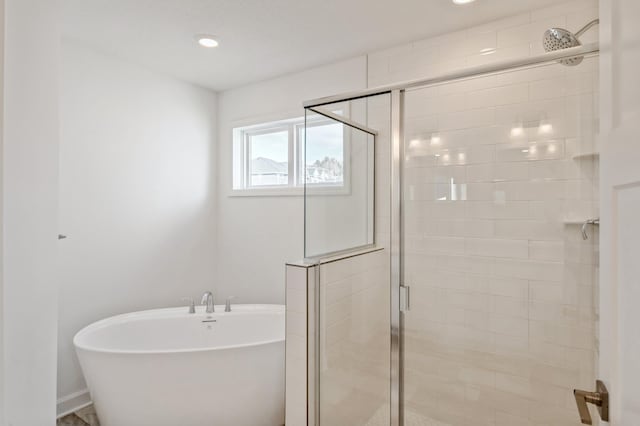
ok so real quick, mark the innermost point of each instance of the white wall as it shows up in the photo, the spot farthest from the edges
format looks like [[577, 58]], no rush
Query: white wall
[[29, 199], [257, 235], [137, 194]]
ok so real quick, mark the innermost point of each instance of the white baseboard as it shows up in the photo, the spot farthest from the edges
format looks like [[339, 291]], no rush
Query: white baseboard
[[74, 402]]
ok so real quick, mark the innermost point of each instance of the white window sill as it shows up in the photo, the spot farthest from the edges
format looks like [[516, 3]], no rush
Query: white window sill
[[267, 192], [289, 192]]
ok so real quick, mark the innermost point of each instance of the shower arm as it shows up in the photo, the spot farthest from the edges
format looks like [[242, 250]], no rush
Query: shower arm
[[587, 27]]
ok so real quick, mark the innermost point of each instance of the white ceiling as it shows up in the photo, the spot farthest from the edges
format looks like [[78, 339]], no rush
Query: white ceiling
[[260, 39]]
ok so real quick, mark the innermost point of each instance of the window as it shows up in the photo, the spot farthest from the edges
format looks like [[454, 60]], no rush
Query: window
[[267, 157], [271, 156]]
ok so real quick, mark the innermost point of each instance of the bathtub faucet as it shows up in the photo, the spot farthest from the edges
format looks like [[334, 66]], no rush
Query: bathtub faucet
[[192, 304], [227, 306], [207, 299]]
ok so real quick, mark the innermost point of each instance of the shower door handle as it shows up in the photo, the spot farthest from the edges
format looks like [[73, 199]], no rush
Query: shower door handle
[[405, 298], [599, 398]]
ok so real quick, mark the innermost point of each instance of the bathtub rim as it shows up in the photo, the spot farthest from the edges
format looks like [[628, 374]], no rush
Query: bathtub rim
[[240, 309]]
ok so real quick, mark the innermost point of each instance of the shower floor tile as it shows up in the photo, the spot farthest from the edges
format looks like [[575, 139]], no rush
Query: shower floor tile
[[71, 420], [83, 417]]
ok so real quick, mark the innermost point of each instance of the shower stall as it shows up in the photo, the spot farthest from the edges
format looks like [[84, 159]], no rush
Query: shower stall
[[456, 262]]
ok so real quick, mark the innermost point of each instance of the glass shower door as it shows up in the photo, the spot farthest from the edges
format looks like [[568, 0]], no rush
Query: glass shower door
[[500, 172]]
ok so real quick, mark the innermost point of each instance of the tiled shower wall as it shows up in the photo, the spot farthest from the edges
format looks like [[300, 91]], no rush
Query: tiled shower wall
[[299, 283], [354, 339], [503, 322]]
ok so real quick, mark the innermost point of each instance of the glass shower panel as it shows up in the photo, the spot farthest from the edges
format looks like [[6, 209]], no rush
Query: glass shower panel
[[345, 235], [337, 162], [500, 172]]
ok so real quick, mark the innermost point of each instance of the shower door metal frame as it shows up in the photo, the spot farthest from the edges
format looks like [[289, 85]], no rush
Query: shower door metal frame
[[397, 92], [397, 266]]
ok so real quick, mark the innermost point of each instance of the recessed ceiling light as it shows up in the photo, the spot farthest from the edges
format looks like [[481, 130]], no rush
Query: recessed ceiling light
[[206, 40], [463, 1]]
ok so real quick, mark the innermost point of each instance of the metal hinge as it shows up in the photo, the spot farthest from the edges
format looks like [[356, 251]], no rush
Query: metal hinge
[[405, 298]]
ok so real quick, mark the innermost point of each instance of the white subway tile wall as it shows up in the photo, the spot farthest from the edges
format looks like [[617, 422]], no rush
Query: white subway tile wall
[[354, 339], [504, 316], [297, 278]]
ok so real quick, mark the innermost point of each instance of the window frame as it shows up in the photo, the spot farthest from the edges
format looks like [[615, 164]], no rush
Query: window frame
[[296, 128]]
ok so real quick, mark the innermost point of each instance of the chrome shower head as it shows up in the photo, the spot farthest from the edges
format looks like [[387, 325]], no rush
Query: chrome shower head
[[559, 39]]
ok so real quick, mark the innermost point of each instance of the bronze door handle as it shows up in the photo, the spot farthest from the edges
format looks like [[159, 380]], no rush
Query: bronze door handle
[[599, 398]]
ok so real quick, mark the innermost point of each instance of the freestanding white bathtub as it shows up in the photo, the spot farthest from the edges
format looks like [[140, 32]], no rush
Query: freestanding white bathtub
[[167, 367]]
